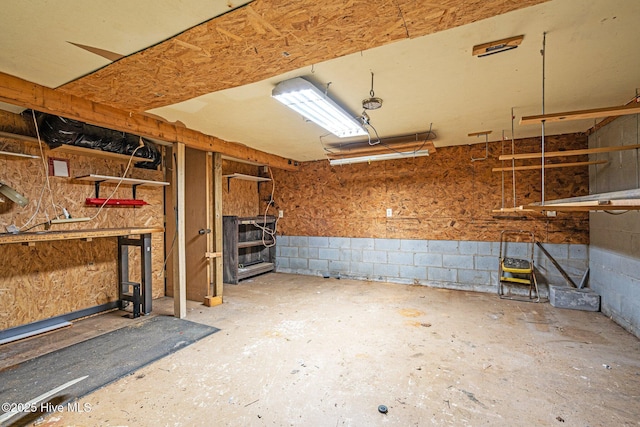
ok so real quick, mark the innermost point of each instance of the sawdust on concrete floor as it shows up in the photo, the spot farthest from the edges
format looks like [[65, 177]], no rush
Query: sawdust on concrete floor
[[307, 351]]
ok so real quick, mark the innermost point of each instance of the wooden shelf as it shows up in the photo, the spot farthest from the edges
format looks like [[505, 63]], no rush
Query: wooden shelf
[[72, 149], [625, 200], [116, 179], [595, 113], [253, 243], [549, 166], [598, 197], [244, 252], [592, 205], [259, 221], [49, 236], [99, 179], [568, 153], [91, 201], [84, 151], [244, 177], [255, 269]]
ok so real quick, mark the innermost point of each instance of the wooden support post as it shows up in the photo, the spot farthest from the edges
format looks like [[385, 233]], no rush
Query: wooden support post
[[179, 253], [217, 222], [212, 299]]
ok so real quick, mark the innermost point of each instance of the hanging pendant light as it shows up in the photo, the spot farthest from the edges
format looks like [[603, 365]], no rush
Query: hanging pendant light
[[372, 103]]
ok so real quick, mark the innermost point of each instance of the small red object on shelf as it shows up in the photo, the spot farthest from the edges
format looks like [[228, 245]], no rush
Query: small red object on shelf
[[115, 202]]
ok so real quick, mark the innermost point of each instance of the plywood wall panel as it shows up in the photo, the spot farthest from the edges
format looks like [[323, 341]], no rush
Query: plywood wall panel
[[240, 197], [444, 197], [55, 278]]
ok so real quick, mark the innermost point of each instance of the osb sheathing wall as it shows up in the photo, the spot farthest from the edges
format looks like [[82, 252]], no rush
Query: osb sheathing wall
[[53, 278], [240, 197], [445, 196]]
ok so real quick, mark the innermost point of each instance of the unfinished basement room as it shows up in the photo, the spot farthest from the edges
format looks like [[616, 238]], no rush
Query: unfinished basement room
[[320, 213]]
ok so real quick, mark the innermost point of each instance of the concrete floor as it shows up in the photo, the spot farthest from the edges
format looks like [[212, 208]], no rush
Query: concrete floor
[[307, 351]]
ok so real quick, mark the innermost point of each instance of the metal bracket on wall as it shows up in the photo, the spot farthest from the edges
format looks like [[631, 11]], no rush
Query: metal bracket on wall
[[257, 179]]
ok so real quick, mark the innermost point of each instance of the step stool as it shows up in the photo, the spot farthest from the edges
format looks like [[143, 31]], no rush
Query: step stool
[[517, 271]]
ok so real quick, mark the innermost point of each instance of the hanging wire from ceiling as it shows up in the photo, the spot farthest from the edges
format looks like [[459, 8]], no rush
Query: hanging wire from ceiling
[[543, 53]]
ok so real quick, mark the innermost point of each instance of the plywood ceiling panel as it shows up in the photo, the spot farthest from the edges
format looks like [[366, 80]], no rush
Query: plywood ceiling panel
[[267, 38], [37, 36]]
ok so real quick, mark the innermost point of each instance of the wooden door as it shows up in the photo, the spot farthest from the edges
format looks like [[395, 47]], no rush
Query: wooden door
[[198, 218], [198, 222]]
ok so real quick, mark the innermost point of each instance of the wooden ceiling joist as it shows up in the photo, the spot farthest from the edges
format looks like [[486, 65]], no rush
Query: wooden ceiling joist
[[20, 92], [568, 152], [595, 113], [549, 166]]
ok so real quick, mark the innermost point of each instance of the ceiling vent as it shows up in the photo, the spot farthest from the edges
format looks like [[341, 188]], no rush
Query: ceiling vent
[[497, 46]]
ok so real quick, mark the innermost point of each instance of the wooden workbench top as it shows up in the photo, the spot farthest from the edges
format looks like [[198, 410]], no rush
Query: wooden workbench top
[[47, 236]]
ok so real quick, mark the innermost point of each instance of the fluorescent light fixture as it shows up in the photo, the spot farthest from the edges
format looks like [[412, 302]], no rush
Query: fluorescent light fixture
[[303, 97], [378, 157]]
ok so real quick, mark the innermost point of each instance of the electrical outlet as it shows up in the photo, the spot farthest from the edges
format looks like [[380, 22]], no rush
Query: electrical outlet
[[389, 213], [280, 214]]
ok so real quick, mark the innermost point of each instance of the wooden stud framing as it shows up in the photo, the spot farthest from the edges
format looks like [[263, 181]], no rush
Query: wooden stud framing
[[209, 201], [179, 253], [217, 225]]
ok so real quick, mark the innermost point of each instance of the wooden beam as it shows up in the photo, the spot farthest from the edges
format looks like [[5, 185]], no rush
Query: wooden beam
[[549, 166], [180, 251], [568, 152], [16, 91], [595, 113]]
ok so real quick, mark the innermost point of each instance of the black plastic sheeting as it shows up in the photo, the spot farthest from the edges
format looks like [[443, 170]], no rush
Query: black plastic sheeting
[[57, 131]]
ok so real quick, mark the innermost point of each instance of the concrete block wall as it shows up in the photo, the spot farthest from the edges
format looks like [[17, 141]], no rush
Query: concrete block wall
[[467, 265], [614, 251]]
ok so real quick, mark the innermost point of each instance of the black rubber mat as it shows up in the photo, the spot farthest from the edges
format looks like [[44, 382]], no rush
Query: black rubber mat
[[103, 359]]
